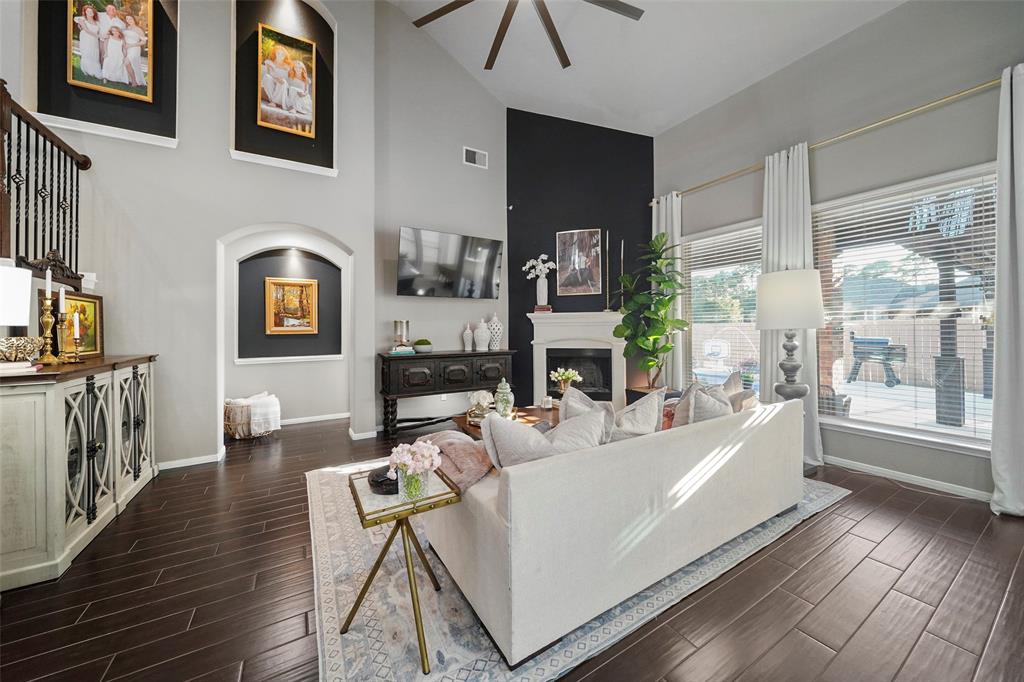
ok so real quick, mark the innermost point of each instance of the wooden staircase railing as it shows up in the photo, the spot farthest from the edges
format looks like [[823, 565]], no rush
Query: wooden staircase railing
[[39, 197]]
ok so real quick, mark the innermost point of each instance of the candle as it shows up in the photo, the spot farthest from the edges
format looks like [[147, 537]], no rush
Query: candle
[[63, 303], [74, 324], [49, 283]]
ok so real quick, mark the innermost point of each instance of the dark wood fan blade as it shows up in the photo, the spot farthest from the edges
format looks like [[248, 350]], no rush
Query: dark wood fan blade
[[549, 26], [499, 36], [440, 12], [619, 7]]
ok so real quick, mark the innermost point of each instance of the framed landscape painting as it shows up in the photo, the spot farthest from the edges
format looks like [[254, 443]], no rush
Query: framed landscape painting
[[578, 256], [110, 47], [291, 305], [286, 73]]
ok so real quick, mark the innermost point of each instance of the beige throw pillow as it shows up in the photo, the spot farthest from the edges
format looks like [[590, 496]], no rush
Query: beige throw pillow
[[510, 442], [744, 400], [637, 419], [733, 384], [709, 404]]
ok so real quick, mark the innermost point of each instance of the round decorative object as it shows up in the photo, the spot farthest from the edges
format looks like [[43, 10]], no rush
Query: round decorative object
[[19, 348], [467, 338], [423, 348], [542, 291], [504, 400], [411, 487], [497, 329], [380, 483], [481, 335]]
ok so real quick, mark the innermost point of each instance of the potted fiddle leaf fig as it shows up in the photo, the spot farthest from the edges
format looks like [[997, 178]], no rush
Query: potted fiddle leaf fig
[[649, 294]]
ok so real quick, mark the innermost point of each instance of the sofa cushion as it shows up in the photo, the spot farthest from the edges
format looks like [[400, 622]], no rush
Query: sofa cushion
[[708, 404], [744, 400], [510, 442], [640, 418], [732, 384]]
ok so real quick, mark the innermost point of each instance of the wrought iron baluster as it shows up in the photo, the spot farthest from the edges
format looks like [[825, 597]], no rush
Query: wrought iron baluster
[[77, 206], [35, 198], [19, 180]]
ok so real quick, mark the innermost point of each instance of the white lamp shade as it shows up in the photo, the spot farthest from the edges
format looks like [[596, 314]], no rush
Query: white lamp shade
[[790, 299], [15, 295]]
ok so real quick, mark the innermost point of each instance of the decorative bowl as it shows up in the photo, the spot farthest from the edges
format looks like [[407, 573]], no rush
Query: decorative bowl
[[19, 348], [424, 348]]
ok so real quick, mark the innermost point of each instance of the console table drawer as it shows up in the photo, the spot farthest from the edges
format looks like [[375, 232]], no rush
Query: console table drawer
[[489, 371], [414, 376], [455, 375]]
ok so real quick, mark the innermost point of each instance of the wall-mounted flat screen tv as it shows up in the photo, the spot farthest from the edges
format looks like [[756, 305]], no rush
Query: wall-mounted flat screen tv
[[447, 265]]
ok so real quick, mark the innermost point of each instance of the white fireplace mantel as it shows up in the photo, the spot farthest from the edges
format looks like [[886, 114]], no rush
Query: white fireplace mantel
[[577, 330]]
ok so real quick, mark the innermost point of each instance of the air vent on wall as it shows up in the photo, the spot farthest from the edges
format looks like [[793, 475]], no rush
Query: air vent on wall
[[474, 157]]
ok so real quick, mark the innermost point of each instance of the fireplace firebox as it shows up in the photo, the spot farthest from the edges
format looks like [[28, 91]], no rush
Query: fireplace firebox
[[593, 364]]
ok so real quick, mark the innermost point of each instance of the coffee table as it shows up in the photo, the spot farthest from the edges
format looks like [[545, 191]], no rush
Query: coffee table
[[527, 415], [374, 510]]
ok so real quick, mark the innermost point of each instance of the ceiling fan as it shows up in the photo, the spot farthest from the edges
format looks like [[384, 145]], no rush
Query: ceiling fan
[[616, 6]]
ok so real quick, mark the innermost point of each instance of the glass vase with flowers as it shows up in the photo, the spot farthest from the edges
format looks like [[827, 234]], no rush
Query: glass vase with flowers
[[412, 463]]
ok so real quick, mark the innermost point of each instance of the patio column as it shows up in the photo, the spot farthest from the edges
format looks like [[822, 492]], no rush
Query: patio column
[[949, 367]]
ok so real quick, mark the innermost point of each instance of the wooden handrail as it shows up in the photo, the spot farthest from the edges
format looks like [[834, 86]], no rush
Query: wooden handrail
[[9, 105]]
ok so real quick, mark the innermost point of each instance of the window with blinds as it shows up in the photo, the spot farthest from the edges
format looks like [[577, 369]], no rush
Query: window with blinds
[[720, 305], [908, 283]]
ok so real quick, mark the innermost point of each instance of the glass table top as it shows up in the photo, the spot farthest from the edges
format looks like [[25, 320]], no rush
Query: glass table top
[[376, 509]]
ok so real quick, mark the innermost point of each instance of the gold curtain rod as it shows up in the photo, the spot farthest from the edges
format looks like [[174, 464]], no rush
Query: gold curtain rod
[[934, 104]]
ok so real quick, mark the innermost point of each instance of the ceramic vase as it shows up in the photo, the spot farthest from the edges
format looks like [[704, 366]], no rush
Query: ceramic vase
[[467, 339], [481, 335], [411, 486], [496, 328], [504, 400], [542, 291]]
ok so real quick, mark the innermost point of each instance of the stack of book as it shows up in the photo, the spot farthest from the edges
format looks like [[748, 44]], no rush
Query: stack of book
[[18, 368], [542, 309], [402, 350]]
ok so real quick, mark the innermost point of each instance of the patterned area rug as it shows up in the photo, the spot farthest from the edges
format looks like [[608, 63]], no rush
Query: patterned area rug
[[381, 644]]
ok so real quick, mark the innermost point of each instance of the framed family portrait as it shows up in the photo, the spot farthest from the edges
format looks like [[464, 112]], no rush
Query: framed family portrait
[[90, 320], [287, 82], [578, 257], [110, 47], [291, 305]]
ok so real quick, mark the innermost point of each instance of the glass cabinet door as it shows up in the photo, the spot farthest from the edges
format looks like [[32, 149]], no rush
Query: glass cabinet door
[[101, 439], [74, 427]]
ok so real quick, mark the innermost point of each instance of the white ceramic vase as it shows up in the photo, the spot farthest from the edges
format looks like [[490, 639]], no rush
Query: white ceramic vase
[[496, 328], [467, 338], [542, 290], [481, 335]]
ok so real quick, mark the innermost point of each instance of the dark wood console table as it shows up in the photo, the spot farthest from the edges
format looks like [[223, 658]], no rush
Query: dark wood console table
[[411, 376]]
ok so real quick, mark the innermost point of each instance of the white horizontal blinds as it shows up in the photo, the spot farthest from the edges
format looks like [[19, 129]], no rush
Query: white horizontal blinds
[[721, 305], [908, 284]]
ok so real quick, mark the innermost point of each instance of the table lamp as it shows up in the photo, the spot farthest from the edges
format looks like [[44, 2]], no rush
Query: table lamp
[[790, 300], [15, 306]]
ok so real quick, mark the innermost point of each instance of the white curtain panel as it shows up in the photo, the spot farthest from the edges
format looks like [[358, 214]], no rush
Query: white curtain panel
[[1008, 375], [786, 245], [667, 216]]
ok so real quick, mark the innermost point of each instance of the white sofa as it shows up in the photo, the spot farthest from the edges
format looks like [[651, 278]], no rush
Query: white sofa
[[545, 546]]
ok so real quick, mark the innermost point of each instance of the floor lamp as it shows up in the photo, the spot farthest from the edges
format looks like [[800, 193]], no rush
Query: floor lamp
[[790, 300]]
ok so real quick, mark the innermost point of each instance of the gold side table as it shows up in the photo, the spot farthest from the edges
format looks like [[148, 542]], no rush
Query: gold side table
[[374, 510]]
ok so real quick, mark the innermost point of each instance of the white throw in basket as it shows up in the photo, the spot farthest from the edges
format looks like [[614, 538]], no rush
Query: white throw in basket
[[253, 417]]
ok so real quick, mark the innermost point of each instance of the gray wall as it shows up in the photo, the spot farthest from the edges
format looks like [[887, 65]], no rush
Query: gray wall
[[918, 52], [428, 108]]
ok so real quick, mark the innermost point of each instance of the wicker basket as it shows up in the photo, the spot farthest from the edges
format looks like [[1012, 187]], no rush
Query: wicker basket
[[237, 420]]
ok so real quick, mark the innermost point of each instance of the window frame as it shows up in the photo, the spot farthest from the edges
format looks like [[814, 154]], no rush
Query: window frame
[[975, 447]]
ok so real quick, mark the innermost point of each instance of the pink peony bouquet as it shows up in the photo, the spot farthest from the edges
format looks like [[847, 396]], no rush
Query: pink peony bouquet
[[414, 458]]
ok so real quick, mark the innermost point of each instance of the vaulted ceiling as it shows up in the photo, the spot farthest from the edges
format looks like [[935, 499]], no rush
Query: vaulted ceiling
[[642, 76]]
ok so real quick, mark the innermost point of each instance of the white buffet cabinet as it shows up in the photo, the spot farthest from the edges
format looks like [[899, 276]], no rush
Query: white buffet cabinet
[[76, 444]]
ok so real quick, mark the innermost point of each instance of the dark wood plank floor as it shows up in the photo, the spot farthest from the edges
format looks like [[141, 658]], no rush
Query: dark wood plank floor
[[208, 575]]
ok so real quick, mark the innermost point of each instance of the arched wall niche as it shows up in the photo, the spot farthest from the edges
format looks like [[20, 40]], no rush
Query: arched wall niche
[[290, 378]]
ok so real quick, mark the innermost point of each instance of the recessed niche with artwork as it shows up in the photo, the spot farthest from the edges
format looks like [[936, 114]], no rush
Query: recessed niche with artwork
[[284, 83], [112, 64], [289, 305]]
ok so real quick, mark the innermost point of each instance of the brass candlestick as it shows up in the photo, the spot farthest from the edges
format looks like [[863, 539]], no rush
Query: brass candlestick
[[78, 350], [62, 356], [46, 319]]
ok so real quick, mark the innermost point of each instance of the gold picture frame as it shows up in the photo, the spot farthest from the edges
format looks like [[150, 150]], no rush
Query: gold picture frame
[[578, 261], [88, 22], [90, 313], [285, 82], [290, 305]]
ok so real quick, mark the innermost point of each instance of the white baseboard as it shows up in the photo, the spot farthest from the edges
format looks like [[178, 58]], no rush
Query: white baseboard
[[941, 486], [315, 418], [361, 436], [192, 461]]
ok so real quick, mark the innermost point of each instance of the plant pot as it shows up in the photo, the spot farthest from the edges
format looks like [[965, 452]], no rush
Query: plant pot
[[563, 386], [542, 291], [423, 348], [412, 487]]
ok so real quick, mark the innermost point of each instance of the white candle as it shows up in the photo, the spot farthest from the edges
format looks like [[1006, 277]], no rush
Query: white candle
[[49, 283], [63, 304], [74, 323]]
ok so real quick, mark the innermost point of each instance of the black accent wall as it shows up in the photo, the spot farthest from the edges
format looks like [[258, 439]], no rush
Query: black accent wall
[[564, 175], [253, 341], [58, 98], [295, 19]]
